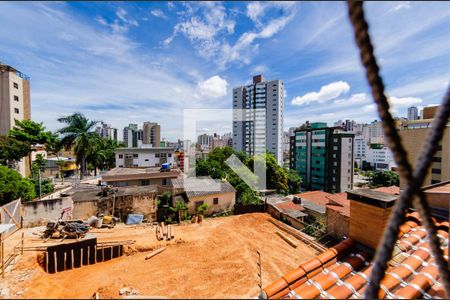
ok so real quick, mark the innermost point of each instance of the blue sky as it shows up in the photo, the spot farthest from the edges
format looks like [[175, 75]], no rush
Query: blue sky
[[129, 62]]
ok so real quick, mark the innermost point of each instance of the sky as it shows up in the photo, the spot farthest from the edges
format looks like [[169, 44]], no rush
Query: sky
[[130, 62]]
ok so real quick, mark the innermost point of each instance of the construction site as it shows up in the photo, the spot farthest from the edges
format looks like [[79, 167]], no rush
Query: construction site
[[225, 257]]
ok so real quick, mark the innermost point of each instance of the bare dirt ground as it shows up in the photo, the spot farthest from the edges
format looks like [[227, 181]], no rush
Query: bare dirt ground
[[214, 259]]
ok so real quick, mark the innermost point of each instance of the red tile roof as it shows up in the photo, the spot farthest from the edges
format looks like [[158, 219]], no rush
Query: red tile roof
[[393, 190], [342, 271], [289, 205], [317, 197], [339, 203]]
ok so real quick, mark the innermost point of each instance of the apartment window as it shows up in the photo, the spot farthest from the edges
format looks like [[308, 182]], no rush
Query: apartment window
[[135, 166], [145, 182], [16, 98], [436, 159], [436, 171], [156, 154], [120, 155], [16, 110], [146, 160], [120, 166], [164, 181], [215, 201], [135, 155], [16, 85]]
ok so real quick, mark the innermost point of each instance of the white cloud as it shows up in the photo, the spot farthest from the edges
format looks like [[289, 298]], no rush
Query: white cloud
[[368, 108], [170, 5], [406, 101], [326, 92], [204, 28], [158, 13], [257, 10], [121, 24], [354, 99], [213, 87]]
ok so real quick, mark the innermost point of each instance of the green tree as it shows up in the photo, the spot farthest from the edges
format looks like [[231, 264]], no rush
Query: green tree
[[30, 133], [165, 198], [276, 176], [78, 134], [202, 208], [294, 181], [12, 150], [46, 185], [209, 167], [180, 208], [13, 186], [383, 178]]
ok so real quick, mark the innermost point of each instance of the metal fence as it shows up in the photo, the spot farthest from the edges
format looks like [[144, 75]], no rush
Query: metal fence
[[11, 213]]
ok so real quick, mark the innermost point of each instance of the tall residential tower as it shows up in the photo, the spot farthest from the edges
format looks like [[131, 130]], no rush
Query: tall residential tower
[[258, 117], [323, 157], [14, 104]]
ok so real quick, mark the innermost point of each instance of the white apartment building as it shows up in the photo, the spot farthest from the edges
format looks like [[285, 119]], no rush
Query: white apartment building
[[258, 117], [106, 131], [360, 149], [144, 157], [380, 157], [14, 103]]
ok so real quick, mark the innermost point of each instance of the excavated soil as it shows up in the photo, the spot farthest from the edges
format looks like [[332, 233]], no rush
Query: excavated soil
[[214, 259]]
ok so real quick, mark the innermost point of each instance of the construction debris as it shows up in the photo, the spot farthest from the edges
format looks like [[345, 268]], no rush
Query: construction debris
[[128, 291], [153, 253], [287, 239]]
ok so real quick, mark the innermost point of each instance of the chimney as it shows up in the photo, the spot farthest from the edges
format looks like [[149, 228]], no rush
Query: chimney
[[369, 215], [258, 78]]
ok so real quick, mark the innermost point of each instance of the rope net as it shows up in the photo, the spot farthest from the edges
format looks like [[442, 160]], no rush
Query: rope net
[[412, 195]]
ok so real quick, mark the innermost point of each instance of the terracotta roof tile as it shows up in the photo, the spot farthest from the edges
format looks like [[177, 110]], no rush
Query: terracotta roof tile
[[317, 197], [289, 205], [342, 271], [393, 190]]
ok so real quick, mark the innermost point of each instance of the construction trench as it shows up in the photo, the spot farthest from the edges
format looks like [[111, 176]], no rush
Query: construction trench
[[186, 261]]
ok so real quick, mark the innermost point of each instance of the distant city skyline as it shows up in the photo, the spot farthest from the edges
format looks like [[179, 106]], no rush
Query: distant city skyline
[[129, 62]]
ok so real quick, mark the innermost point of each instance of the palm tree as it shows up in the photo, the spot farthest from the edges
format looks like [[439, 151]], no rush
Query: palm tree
[[78, 134]]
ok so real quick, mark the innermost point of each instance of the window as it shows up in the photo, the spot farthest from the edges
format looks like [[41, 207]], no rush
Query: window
[[16, 85], [156, 154], [16, 110], [135, 155], [120, 155], [169, 155], [146, 160], [120, 166], [215, 201], [436, 171], [16, 98], [135, 166], [436, 159], [164, 181], [145, 182]]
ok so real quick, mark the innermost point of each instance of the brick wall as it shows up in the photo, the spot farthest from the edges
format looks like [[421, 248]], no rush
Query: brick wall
[[337, 224]]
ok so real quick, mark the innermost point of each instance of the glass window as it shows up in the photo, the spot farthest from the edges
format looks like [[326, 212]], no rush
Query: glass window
[[16, 110], [16, 98], [215, 201], [16, 85], [120, 155]]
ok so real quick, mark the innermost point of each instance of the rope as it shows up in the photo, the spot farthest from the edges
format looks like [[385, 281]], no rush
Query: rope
[[414, 180]]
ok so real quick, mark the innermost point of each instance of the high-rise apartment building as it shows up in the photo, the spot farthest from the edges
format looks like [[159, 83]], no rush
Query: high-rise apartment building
[[151, 134], [14, 103], [258, 117], [130, 136], [413, 113], [106, 131], [323, 157], [414, 133]]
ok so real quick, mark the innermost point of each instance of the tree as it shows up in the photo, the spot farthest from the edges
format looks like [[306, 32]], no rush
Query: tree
[[165, 198], [202, 208], [276, 176], [30, 133], [13, 186], [41, 186], [180, 208], [12, 150], [78, 134], [209, 167], [294, 181], [383, 178]]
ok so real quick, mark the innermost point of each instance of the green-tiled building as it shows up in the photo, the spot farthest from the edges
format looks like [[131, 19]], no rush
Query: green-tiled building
[[323, 157]]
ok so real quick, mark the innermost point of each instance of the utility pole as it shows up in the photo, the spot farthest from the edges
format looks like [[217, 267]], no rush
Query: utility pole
[[39, 179]]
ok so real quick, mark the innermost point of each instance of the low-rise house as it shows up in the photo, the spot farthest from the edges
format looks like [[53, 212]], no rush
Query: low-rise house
[[219, 195], [144, 157], [315, 206], [119, 177]]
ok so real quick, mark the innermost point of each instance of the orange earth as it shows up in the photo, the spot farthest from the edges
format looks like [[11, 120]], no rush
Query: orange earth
[[214, 259]]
